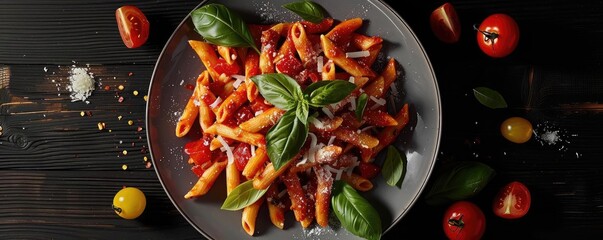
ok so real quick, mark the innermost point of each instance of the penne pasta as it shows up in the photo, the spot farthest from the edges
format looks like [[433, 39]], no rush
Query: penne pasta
[[268, 176], [348, 64], [389, 134], [250, 214], [302, 44], [233, 177], [208, 56], [237, 134], [323, 195], [262, 121], [299, 201], [358, 182], [356, 138], [231, 104], [255, 163], [252, 68], [206, 180]]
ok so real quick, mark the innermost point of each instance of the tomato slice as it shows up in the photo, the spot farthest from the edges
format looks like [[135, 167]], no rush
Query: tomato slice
[[445, 23], [512, 201], [133, 26]]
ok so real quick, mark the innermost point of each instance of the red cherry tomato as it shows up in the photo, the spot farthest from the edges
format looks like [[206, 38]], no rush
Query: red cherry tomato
[[368, 170], [222, 67], [512, 201], [242, 154], [464, 220], [445, 23], [199, 150], [498, 35], [133, 26]]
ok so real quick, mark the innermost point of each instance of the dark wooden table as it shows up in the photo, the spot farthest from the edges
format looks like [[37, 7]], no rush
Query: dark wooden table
[[58, 172]]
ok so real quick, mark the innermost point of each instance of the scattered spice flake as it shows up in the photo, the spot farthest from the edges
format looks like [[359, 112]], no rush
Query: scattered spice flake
[[124, 167], [107, 87], [145, 158], [120, 99], [135, 93], [139, 129], [146, 98], [101, 126], [148, 165], [130, 74], [110, 130], [1, 128], [120, 87], [130, 122], [119, 117], [82, 113], [125, 152], [88, 113]]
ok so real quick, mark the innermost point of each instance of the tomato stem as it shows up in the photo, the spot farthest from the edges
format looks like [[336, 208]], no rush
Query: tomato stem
[[489, 35], [456, 222], [115, 208]]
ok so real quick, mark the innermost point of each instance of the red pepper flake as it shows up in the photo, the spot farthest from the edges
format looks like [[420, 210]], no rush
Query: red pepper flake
[[120, 99], [139, 129], [107, 87], [130, 74], [148, 165], [189, 86]]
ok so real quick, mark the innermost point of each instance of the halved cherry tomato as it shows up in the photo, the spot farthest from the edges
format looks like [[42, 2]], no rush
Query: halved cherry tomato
[[464, 220], [222, 67], [516, 129], [199, 150], [512, 201], [133, 26], [445, 23], [498, 35], [242, 154]]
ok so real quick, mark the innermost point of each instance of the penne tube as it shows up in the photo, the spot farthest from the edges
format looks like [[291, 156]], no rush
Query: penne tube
[[276, 212], [321, 27], [389, 134], [342, 32], [233, 177], [231, 104], [357, 182], [389, 75], [303, 46], [252, 68], [269, 174], [328, 154], [325, 125], [262, 121], [328, 71], [378, 118], [287, 49], [348, 64], [255, 163], [250, 214], [363, 42], [229, 54], [357, 138], [208, 56], [372, 57], [269, 43], [206, 181], [237, 134], [323, 196], [299, 201], [189, 115], [281, 28]]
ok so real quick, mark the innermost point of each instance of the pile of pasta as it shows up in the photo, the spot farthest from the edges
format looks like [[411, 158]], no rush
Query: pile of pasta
[[234, 117]]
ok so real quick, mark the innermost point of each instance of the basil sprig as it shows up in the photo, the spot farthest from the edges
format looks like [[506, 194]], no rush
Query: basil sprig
[[220, 26], [242, 196], [394, 167], [354, 212], [360, 105], [308, 10], [489, 97], [458, 181], [288, 135]]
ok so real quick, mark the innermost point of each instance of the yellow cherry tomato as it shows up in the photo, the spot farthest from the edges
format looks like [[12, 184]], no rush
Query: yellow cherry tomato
[[129, 203], [516, 129]]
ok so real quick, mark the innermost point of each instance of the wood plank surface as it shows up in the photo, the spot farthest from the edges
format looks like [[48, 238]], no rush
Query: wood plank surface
[[59, 172]]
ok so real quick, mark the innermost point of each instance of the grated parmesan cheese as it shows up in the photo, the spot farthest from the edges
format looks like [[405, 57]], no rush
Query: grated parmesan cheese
[[239, 79], [352, 80], [331, 140], [328, 112], [81, 84], [216, 102], [357, 54], [229, 154], [319, 64], [352, 103], [379, 102]]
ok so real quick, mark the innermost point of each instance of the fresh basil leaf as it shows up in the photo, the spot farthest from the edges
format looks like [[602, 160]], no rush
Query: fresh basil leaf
[[220, 26], [280, 90], [360, 105], [285, 139], [314, 86], [309, 11], [458, 181], [242, 196], [331, 92], [354, 212], [489, 97], [302, 110], [394, 167]]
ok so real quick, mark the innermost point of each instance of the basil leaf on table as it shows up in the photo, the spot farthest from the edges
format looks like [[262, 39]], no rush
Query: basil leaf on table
[[278, 89], [242, 196], [309, 11], [362, 101], [458, 181], [220, 26], [354, 212], [331, 92], [489, 97], [285, 139], [394, 167]]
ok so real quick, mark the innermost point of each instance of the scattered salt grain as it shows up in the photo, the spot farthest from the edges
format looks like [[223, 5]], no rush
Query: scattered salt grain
[[81, 84]]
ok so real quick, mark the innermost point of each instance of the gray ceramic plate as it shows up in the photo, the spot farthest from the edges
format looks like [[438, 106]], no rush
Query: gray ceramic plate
[[178, 65]]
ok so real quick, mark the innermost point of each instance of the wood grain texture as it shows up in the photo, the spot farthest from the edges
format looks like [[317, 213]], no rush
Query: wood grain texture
[[59, 172]]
